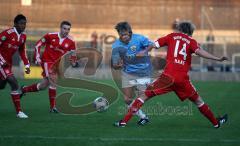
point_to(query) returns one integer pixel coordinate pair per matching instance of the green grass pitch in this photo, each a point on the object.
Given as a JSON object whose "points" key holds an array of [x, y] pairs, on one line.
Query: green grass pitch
{"points": [[185, 126]]}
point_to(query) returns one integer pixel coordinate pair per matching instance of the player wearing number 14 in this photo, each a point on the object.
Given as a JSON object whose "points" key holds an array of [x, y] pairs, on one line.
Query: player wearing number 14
{"points": [[175, 77]]}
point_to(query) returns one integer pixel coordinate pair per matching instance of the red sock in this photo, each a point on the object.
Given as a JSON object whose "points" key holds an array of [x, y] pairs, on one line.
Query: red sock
{"points": [[137, 104], [31, 88], [52, 95], [205, 110], [16, 101]]}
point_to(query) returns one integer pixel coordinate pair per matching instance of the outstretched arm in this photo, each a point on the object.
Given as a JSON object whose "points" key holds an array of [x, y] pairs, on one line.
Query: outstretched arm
{"points": [[205, 54]]}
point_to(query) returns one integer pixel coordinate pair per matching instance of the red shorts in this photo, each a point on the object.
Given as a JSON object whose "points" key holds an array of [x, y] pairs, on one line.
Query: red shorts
{"points": [[49, 69], [165, 83], [5, 72]]}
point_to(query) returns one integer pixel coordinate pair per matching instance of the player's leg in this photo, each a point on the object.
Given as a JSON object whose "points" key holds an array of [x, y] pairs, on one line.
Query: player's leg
{"points": [[128, 98], [156, 88], [186, 90], [206, 111], [52, 92], [36, 86], [3, 83], [128, 91], [15, 93]]}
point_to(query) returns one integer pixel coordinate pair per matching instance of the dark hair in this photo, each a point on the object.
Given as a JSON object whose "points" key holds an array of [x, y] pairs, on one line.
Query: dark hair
{"points": [[19, 17], [186, 27], [65, 23], [123, 26]]}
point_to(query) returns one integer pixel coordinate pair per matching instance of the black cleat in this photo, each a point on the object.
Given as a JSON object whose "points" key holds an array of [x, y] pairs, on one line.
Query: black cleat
{"points": [[143, 121], [22, 93], [119, 124], [221, 121], [54, 110]]}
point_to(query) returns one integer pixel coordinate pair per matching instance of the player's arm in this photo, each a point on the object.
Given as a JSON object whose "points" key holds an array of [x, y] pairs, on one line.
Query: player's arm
{"points": [[73, 56], [116, 61], [147, 46], [37, 52], [23, 55], [3, 37], [202, 53]]}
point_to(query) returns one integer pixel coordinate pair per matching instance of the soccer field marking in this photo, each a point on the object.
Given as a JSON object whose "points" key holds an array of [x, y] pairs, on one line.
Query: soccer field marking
{"points": [[122, 139]]}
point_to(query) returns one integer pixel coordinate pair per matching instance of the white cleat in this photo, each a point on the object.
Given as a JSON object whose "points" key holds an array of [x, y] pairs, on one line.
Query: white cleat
{"points": [[22, 115]]}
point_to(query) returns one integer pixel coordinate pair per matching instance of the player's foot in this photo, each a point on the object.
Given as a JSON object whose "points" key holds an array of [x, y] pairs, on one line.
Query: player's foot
{"points": [[221, 121], [21, 115], [143, 121], [119, 124], [54, 110], [22, 93]]}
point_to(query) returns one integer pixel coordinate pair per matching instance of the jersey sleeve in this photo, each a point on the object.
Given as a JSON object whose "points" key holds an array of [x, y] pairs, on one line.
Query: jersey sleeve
{"points": [[194, 46], [73, 56], [23, 54], [145, 42], [3, 37], [42, 42], [115, 58], [163, 41]]}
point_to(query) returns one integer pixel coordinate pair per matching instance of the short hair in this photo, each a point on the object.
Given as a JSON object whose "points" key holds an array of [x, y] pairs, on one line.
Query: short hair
{"points": [[186, 27], [123, 26], [65, 23], [19, 17]]}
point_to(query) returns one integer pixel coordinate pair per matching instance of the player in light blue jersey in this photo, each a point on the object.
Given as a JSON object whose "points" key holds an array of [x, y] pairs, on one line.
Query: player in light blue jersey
{"points": [[136, 68]]}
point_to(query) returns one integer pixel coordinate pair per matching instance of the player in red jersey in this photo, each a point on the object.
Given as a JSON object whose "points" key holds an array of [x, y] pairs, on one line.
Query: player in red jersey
{"points": [[56, 45], [175, 75], [12, 40]]}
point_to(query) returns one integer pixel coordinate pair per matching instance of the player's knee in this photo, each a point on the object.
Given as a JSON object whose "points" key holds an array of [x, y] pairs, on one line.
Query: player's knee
{"points": [[149, 93]]}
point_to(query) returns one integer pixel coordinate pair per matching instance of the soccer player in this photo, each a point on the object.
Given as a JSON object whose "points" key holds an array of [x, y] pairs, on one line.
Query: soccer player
{"points": [[175, 75], [12, 40], [56, 45], [124, 57]]}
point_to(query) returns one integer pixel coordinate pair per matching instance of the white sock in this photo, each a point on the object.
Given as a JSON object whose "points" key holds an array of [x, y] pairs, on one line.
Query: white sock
{"points": [[141, 114]]}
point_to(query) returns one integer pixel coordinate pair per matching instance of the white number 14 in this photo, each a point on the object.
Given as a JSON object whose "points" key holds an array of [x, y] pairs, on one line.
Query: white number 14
{"points": [[182, 51]]}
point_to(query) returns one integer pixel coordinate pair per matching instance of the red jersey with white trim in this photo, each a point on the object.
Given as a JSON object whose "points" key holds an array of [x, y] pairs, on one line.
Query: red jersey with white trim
{"points": [[55, 47], [179, 53], [10, 42]]}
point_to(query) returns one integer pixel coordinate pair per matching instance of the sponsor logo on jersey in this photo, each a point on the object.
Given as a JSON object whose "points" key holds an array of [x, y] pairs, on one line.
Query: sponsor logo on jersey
{"points": [[133, 48], [3, 38]]}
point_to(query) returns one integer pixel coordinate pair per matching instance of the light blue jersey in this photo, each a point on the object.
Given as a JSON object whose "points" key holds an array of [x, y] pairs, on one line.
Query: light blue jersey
{"points": [[140, 66]]}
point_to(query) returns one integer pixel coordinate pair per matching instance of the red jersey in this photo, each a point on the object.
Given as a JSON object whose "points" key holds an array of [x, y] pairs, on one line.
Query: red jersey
{"points": [[10, 42], [179, 53], [55, 47]]}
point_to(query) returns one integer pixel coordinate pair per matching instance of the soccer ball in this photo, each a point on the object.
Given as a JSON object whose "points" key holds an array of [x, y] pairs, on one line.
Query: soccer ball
{"points": [[101, 104]]}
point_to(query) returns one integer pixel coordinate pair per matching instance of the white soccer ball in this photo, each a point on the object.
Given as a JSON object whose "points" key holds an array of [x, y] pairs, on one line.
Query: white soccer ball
{"points": [[101, 104]]}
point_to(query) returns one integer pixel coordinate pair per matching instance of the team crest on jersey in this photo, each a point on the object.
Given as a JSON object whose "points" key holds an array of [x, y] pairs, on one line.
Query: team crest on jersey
{"points": [[53, 40], [22, 40], [3, 38], [133, 48], [66, 45], [43, 40], [9, 45], [13, 39]]}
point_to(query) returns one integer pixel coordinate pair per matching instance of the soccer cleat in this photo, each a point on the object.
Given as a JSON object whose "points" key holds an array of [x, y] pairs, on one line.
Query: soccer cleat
{"points": [[54, 110], [119, 124], [21, 115], [143, 121], [221, 121], [22, 93]]}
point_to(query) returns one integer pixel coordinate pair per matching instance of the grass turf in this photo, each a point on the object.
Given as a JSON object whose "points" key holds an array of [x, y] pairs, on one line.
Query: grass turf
{"points": [[172, 122]]}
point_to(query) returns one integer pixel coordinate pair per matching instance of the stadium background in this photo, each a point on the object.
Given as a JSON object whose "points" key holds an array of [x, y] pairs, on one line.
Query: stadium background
{"points": [[217, 83], [94, 20]]}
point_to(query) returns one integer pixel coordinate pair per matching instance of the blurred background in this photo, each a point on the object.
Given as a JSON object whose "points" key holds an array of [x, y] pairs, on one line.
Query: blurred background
{"points": [[93, 21]]}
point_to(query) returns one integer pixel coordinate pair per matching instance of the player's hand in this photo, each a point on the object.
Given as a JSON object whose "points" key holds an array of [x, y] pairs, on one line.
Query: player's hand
{"points": [[75, 64], [141, 54], [27, 70], [223, 58], [119, 65]]}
